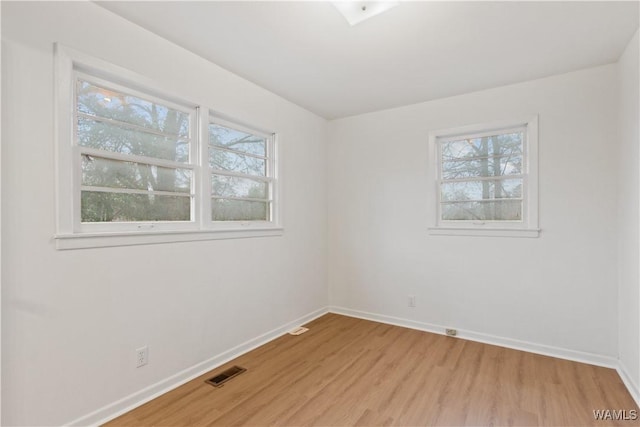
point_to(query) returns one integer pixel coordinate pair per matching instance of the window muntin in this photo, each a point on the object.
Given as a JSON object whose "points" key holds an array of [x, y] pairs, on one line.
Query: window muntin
{"points": [[242, 173], [135, 155]]}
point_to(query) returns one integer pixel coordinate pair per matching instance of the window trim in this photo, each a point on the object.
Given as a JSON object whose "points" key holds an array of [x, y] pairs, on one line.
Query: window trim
{"points": [[70, 232], [528, 227]]}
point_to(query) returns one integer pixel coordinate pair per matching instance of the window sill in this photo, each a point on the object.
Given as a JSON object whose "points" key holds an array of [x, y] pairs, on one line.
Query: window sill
{"points": [[103, 240], [485, 232]]}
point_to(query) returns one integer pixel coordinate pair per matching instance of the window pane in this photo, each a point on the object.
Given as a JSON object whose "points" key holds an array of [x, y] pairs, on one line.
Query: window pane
{"points": [[227, 160], [107, 103], [504, 210], [479, 190], [237, 140], [119, 207], [238, 210], [494, 155], [100, 172], [488, 166], [120, 139], [231, 186], [507, 144]]}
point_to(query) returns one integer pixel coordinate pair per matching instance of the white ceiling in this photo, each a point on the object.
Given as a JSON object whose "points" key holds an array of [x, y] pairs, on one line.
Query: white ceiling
{"points": [[306, 51]]}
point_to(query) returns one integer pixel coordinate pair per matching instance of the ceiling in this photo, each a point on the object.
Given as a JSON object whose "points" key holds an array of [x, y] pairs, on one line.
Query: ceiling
{"points": [[307, 53]]}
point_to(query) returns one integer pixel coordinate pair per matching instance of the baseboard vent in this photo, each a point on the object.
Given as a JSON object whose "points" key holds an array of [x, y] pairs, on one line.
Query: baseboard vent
{"points": [[224, 376], [298, 331]]}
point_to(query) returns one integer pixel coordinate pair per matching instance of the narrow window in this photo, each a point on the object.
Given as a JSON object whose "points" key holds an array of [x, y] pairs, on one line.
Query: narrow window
{"points": [[242, 173]]}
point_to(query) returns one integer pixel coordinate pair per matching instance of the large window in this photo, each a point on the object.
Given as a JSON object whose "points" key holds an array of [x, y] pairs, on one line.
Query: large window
{"points": [[135, 155], [137, 165], [486, 180]]}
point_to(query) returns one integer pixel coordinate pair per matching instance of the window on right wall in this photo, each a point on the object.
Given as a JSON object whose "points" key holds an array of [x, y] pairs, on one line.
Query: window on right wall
{"points": [[486, 181]]}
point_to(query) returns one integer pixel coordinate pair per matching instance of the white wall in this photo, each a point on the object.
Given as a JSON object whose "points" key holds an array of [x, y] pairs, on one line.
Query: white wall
{"points": [[71, 320], [628, 213], [557, 290]]}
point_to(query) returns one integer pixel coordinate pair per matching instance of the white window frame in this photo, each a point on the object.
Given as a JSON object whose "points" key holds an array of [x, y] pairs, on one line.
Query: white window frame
{"points": [[528, 226], [71, 233], [271, 176], [192, 164]]}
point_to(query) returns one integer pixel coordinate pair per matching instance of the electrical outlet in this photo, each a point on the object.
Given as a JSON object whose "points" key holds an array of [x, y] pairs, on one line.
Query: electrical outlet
{"points": [[142, 356], [451, 332], [411, 302]]}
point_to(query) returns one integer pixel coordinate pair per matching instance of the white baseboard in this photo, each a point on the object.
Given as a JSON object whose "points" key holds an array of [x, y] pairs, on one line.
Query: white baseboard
{"points": [[561, 353], [631, 385], [115, 409]]}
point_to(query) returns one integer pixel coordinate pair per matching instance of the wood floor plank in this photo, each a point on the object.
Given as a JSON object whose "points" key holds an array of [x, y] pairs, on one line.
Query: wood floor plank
{"points": [[352, 372]]}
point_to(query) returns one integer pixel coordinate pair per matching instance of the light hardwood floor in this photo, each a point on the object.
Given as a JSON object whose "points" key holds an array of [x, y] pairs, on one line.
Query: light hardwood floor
{"points": [[353, 372]]}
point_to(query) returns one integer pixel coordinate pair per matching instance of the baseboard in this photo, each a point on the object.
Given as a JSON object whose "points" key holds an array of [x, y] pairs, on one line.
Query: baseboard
{"points": [[631, 385], [115, 409], [561, 353]]}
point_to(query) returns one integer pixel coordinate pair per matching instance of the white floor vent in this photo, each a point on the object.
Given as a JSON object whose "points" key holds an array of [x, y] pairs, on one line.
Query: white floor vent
{"points": [[298, 331]]}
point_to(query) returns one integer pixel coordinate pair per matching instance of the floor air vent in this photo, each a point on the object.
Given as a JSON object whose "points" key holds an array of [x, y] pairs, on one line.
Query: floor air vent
{"points": [[223, 377]]}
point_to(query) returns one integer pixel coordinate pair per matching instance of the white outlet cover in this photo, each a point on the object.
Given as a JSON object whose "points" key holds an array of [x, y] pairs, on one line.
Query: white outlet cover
{"points": [[357, 11], [142, 356]]}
